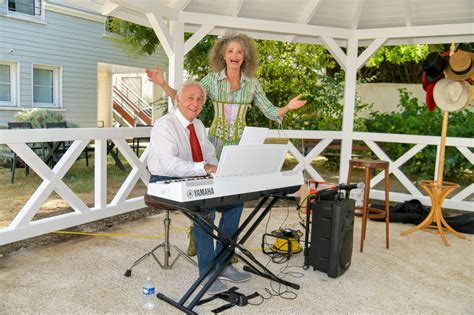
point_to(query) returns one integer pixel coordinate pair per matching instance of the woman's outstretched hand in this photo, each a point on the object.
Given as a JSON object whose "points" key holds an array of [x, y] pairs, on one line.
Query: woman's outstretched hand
{"points": [[156, 76], [296, 102]]}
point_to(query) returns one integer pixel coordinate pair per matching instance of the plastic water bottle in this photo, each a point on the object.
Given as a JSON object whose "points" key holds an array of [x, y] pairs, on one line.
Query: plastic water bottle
{"points": [[359, 195], [148, 294]]}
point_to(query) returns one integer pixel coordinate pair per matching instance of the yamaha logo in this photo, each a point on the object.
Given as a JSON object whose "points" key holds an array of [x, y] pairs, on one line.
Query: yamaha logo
{"points": [[201, 192]]}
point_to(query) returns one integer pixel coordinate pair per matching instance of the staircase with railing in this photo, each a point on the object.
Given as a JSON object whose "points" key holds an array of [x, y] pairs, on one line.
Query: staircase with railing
{"points": [[129, 108]]}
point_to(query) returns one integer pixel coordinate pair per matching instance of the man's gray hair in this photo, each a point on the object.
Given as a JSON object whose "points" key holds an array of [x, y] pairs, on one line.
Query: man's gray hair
{"points": [[188, 83]]}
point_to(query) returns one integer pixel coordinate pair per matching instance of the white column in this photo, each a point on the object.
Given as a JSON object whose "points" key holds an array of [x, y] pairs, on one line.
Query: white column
{"points": [[104, 97], [176, 61], [349, 103]]}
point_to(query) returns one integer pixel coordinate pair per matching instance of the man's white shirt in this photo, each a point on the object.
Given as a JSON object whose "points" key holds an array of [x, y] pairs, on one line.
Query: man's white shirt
{"points": [[170, 151]]}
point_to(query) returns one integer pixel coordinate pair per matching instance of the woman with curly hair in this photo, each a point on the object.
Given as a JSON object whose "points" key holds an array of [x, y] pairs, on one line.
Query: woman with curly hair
{"points": [[233, 88]]}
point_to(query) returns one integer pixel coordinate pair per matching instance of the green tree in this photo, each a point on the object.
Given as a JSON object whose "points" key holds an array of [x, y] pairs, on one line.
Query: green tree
{"points": [[414, 118], [286, 70], [134, 39], [401, 64], [395, 64]]}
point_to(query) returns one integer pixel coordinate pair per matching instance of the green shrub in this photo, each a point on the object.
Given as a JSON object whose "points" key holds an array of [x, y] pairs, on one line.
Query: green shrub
{"points": [[325, 106], [415, 119], [38, 117]]}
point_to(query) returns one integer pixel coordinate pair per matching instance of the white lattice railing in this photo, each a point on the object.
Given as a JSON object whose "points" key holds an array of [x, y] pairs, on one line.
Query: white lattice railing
{"points": [[23, 226], [457, 201]]}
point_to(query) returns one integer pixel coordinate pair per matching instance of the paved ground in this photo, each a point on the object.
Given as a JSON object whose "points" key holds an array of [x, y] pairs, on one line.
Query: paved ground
{"points": [[418, 274]]}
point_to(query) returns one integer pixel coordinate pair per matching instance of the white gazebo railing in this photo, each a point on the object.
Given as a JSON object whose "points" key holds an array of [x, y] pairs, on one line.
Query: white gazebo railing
{"points": [[23, 226], [458, 201]]}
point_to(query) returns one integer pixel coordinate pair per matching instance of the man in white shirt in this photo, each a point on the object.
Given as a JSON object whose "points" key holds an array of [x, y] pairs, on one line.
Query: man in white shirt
{"points": [[175, 152]]}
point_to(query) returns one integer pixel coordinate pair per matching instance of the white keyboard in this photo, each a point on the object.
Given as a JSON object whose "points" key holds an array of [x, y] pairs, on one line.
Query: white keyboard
{"points": [[208, 191]]}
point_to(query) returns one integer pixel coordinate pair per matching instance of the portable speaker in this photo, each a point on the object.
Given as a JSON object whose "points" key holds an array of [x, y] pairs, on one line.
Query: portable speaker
{"points": [[331, 236]]}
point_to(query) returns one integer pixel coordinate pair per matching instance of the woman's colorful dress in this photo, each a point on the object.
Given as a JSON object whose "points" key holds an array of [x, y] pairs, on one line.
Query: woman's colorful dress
{"points": [[230, 107]]}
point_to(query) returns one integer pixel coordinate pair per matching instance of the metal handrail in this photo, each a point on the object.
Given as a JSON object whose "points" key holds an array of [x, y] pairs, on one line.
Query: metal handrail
{"points": [[133, 96]]}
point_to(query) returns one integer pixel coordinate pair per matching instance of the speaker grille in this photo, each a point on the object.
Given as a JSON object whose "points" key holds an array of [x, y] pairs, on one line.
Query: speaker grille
{"points": [[331, 236]]}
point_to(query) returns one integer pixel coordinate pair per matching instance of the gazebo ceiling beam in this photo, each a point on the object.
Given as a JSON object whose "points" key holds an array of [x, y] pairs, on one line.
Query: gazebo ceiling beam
{"points": [[426, 40], [369, 51], [335, 51], [197, 36], [357, 14], [416, 31], [235, 10], [408, 12], [183, 5], [264, 25], [308, 14], [161, 30], [109, 8], [131, 16], [144, 7], [271, 30], [135, 11]]}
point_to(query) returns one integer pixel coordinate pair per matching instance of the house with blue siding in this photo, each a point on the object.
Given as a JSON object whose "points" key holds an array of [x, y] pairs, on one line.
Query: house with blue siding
{"points": [[60, 58]]}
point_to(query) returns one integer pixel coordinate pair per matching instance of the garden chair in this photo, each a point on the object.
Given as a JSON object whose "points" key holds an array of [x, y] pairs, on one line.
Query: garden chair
{"points": [[63, 146], [13, 157]]}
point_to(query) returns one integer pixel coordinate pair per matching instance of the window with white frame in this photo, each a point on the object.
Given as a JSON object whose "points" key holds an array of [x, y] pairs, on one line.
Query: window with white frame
{"points": [[46, 86], [29, 7], [8, 84]]}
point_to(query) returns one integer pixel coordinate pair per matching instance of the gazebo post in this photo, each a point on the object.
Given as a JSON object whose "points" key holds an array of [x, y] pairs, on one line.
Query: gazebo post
{"points": [[172, 42], [176, 64], [350, 62], [350, 81]]}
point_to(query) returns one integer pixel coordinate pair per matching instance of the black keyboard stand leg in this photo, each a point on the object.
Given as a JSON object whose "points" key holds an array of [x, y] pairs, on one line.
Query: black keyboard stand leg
{"points": [[223, 258], [212, 273], [266, 273]]}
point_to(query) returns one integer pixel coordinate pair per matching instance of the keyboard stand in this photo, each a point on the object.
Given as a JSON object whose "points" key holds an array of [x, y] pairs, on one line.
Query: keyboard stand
{"points": [[252, 264], [166, 245]]}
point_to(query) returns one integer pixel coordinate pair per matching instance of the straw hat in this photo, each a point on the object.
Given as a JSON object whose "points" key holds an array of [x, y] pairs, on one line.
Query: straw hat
{"points": [[451, 95], [460, 66]]}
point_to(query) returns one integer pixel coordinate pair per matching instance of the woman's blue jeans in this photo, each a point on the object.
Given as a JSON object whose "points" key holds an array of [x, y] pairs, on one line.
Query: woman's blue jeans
{"points": [[228, 225]]}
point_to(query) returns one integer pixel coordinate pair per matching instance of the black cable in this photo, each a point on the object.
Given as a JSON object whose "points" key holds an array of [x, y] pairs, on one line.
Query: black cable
{"points": [[283, 291], [286, 218]]}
